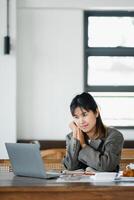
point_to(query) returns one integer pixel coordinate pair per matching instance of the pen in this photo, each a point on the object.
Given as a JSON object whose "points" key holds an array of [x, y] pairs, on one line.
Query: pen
{"points": [[89, 173], [78, 173]]}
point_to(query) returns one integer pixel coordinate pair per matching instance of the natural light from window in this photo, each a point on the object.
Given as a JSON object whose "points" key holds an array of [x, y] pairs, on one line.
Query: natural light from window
{"points": [[117, 109], [111, 31], [111, 69], [115, 71]]}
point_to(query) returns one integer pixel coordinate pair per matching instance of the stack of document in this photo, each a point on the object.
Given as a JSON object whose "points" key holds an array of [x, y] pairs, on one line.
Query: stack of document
{"points": [[75, 176], [89, 176], [81, 176], [78, 172]]}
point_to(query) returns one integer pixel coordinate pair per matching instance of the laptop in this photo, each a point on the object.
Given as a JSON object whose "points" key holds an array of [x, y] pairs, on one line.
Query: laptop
{"points": [[26, 160]]}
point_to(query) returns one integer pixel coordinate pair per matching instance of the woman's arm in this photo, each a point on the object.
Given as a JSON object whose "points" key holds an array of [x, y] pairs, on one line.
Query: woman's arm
{"points": [[108, 158], [74, 142], [73, 147]]}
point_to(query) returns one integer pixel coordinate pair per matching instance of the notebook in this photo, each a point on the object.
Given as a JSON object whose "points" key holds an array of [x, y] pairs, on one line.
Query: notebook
{"points": [[26, 161]]}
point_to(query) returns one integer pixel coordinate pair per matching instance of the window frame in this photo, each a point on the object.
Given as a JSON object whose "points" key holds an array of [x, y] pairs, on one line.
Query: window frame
{"points": [[104, 51]]}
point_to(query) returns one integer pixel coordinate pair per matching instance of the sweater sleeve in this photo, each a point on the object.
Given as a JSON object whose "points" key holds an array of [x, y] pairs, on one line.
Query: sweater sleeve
{"points": [[71, 161]]}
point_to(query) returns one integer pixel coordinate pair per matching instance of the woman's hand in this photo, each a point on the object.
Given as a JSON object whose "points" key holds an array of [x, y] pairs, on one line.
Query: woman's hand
{"points": [[80, 137], [74, 128], [77, 133]]}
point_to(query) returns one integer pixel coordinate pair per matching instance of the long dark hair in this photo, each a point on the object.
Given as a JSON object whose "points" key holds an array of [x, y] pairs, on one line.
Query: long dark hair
{"points": [[87, 102]]}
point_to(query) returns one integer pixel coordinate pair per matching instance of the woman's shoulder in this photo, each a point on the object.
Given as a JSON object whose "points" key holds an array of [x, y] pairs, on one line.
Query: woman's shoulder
{"points": [[113, 132], [69, 135]]}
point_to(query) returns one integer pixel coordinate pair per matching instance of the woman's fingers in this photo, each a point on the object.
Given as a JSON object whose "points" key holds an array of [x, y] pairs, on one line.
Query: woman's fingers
{"points": [[72, 126], [80, 137]]}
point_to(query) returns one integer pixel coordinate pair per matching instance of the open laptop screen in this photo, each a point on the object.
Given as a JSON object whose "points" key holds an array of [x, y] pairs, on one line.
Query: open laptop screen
{"points": [[26, 160]]}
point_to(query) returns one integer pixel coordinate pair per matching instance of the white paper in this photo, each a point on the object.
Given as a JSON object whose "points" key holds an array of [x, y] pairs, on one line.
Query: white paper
{"points": [[74, 178], [104, 176]]}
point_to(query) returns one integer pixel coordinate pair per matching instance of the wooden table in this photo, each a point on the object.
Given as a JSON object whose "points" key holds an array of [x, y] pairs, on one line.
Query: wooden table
{"points": [[23, 188]]}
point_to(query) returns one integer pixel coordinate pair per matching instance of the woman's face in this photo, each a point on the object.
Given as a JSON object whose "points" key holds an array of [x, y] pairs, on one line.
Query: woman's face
{"points": [[85, 120]]}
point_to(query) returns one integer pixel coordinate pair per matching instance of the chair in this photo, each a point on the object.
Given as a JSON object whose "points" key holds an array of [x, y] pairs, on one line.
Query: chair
{"points": [[53, 158], [5, 166], [127, 157]]}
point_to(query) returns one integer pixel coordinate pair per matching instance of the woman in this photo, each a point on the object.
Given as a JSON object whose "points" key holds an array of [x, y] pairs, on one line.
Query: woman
{"points": [[91, 144]]}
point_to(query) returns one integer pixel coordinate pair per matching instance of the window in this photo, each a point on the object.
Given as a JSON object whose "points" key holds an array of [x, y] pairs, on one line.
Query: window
{"points": [[109, 64]]}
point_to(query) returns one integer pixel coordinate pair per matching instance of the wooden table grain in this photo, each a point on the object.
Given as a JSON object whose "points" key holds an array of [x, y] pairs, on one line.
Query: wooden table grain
{"points": [[24, 188]]}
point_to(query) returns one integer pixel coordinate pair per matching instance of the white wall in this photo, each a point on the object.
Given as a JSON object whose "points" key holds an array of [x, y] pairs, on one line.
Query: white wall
{"points": [[77, 4], [7, 80], [50, 70], [50, 63]]}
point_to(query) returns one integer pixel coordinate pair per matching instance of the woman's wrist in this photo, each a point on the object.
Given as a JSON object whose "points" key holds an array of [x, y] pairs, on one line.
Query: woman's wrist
{"points": [[83, 145], [74, 133]]}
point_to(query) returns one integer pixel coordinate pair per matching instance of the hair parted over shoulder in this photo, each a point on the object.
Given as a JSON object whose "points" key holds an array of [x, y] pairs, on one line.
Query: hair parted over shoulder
{"points": [[87, 102]]}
